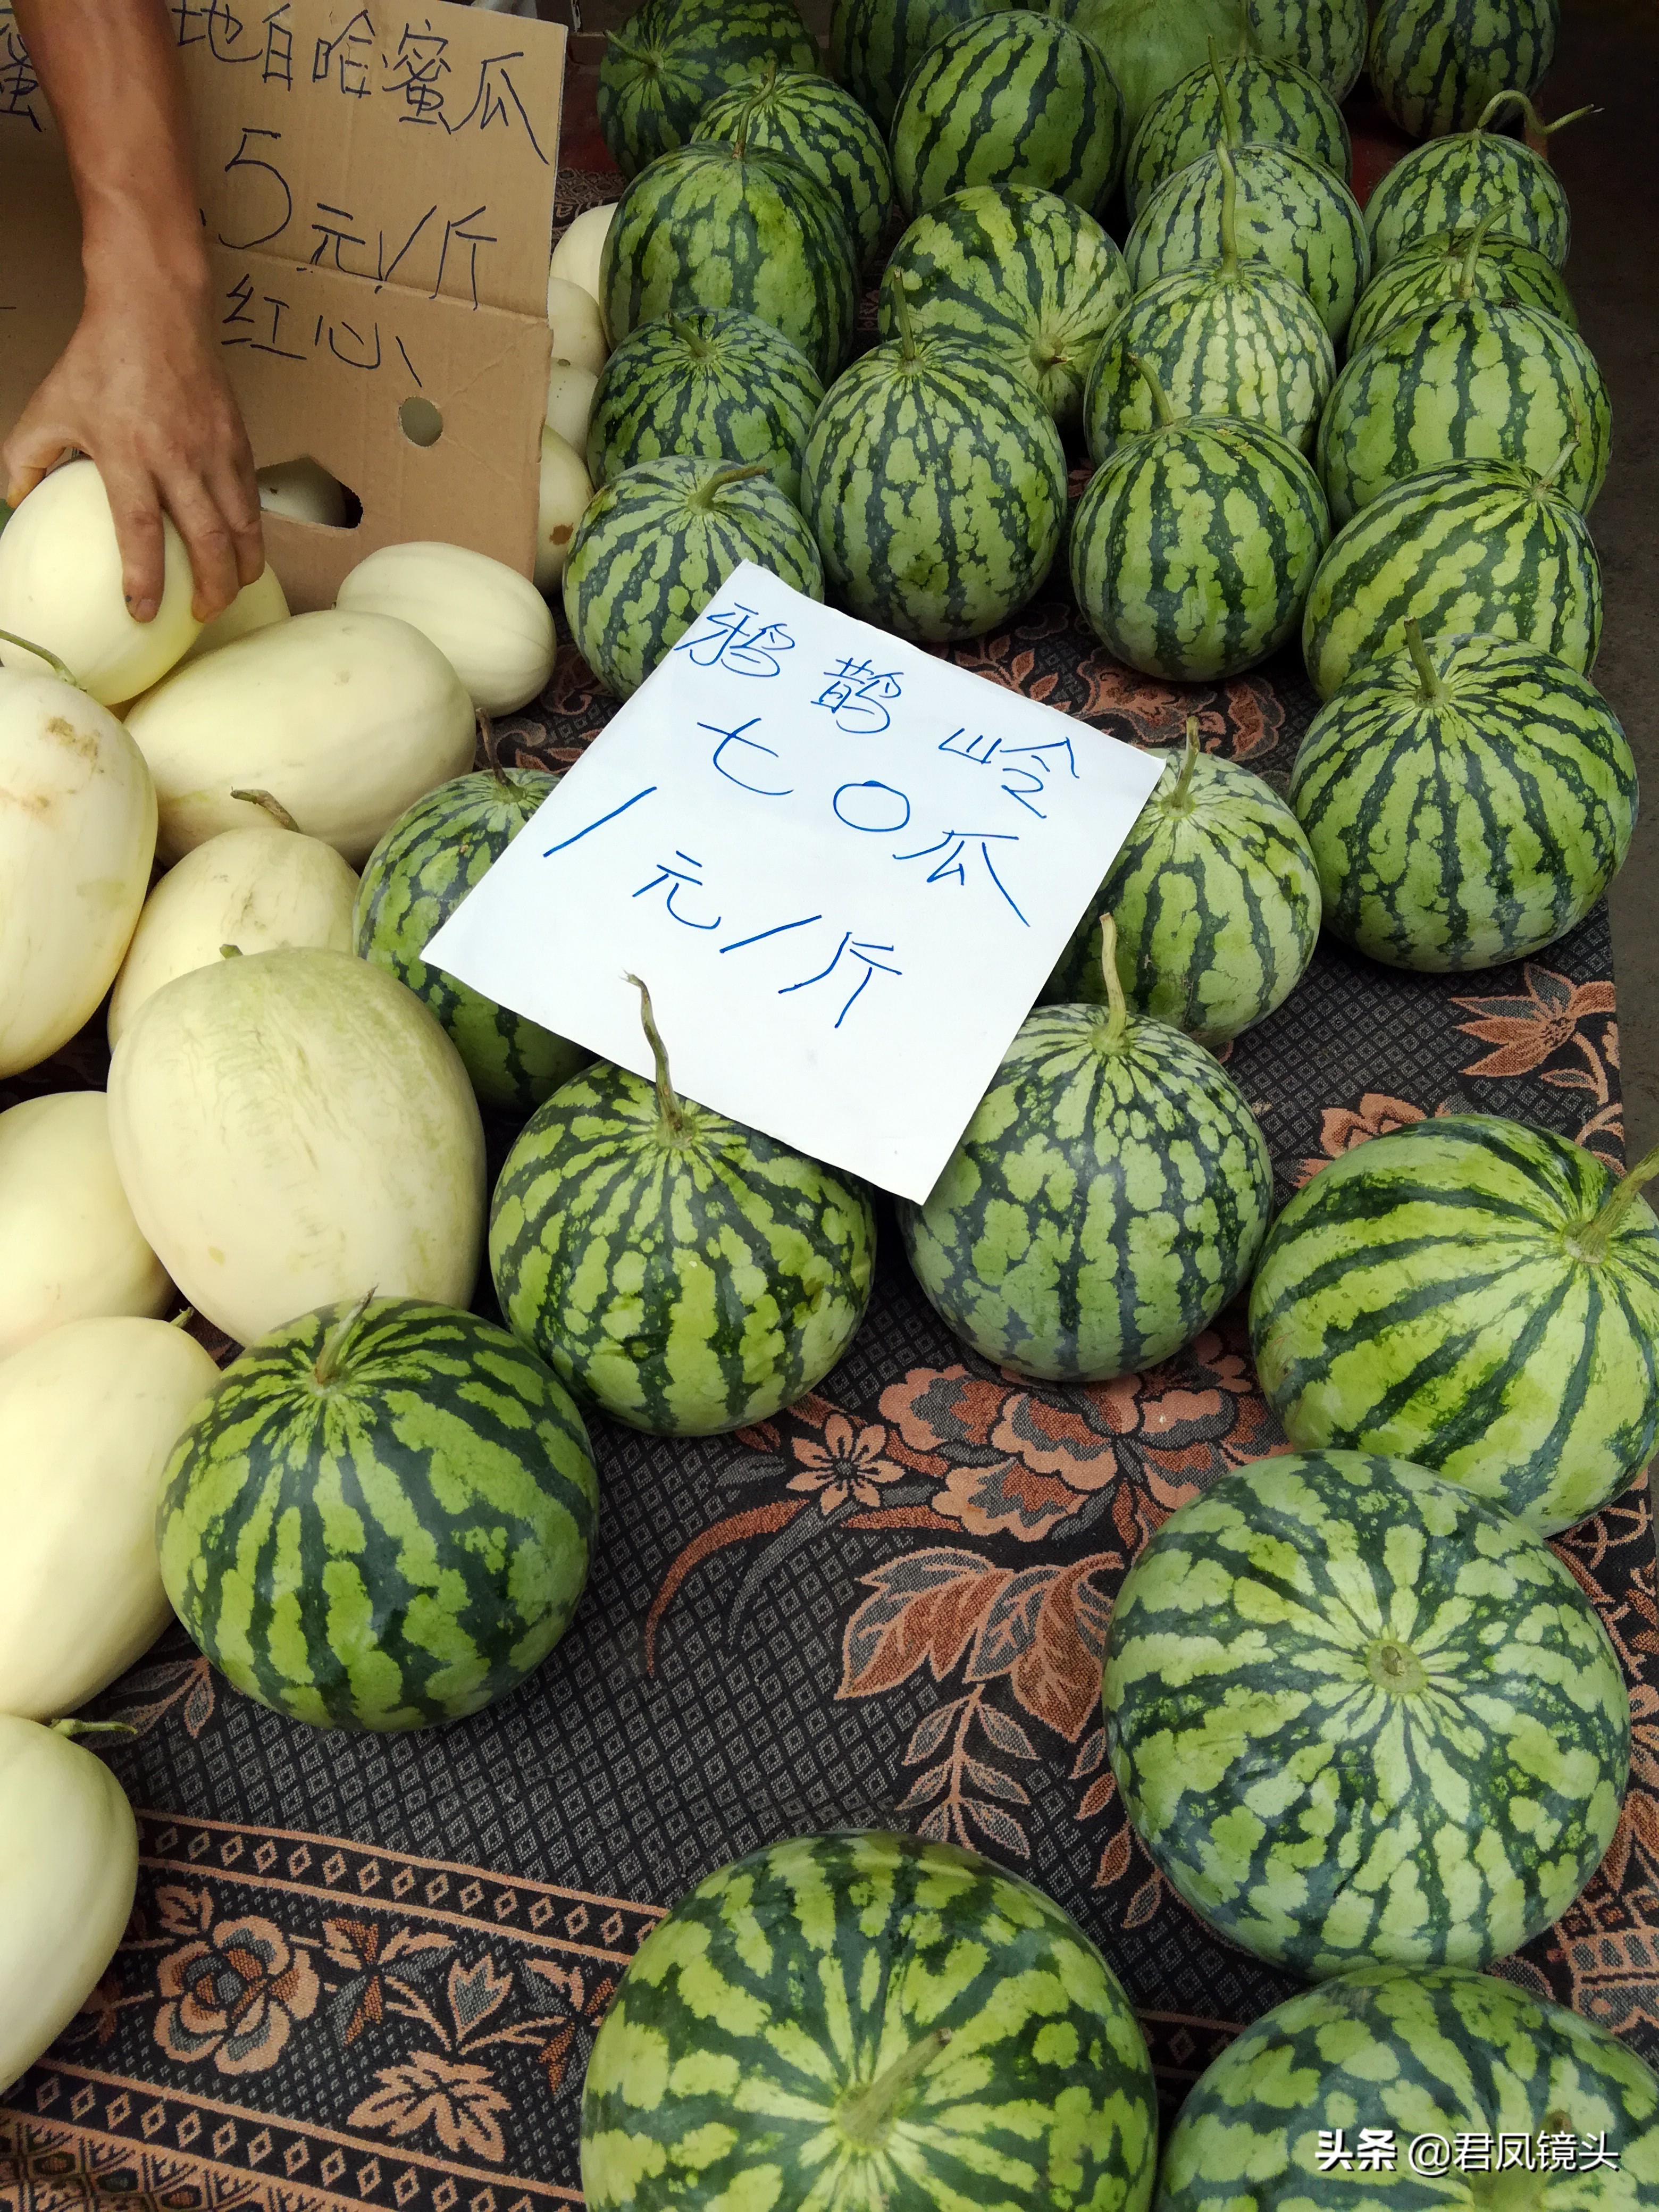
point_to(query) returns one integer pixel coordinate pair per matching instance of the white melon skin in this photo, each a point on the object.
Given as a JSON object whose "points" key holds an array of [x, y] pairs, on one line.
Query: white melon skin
{"points": [[69, 1249], [577, 255], [256, 606], [292, 1128], [490, 623], [566, 489], [572, 316], [570, 402]]}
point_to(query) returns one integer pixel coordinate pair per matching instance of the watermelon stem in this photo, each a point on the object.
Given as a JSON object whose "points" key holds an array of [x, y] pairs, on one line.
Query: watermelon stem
{"points": [[1229, 111], [1166, 414], [1228, 209], [1593, 1244], [1433, 687], [907, 329], [1179, 800], [1117, 1007], [274, 807], [328, 1359], [1477, 240], [868, 2113], [727, 473], [60, 669], [668, 1102], [1547, 481], [1536, 126]]}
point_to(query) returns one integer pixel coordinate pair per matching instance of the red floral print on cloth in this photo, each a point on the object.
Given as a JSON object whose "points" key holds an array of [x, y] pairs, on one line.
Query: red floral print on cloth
{"points": [[1555, 1017], [460, 2100], [233, 1997], [1342, 1127]]}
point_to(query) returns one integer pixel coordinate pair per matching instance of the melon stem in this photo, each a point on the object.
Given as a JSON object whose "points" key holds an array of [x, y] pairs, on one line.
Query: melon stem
{"points": [[183, 1318], [328, 1359], [71, 1729], [274, 807], [1547, 481], [901, 316], [1117, 1006], [668, 1102], [1180, 800], [727, 473], [1228, 209], [1229, 111], [1477, 240], [1593, 1244], [867, 2115], [486, 730], [230, 951], [1432, 686], [1166, 414], [1536, 127], [60, 669]]}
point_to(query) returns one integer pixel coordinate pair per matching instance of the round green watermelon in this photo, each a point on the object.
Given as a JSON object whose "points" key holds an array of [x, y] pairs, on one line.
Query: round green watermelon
{"points": [[1016, 98], [875, 44], [656, 543], [732, 226], [672, 56], [1106, 1200], [1247, 100], [417, 875], [1149, 45], [685, 1273], [1480, 1296], [1357, 1715], [1327, 37], [1462, 2064], [1029, 274], [1467, 801], [382, 1518], [935, 480], [1499, 271], [1457, 182], [1214, 899], [1436, 64], [867, 2021], [721, 386], [824, 128]]}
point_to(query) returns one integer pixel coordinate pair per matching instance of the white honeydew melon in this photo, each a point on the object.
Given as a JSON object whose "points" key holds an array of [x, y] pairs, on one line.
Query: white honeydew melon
{"points": [[490, 623], [256, 606], [69, 1867], [577, 255], [304, 491], [566, 489], [70, 1247], [293, 1128], [570, 402], [88, 1418], [262, 890], [77, 836], [347, 718], [61, 588], [572, 316]]}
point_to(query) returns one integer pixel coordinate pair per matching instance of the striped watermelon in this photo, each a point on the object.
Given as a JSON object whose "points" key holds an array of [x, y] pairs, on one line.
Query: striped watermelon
{"points": [[1437, 63], [1459, 2057], [1468, 802], [1223, 337], [655, 545], [1245, 100], [1214, 902], [1106, 1200], [382, 1519], [1193, 545], [1356, 1714], [822, 126], [864, 2020], [1467, 382], [1327, 37], [415, 877], [875, 44], [1452, 183], [1025, 272], [672, 58], [1477, 546], [1292, 214], [1480, 1297], [685, 1273], [719, 386], [1013, 99], [935, 480], [1499, 271], [727, 227], [1149, 45]]}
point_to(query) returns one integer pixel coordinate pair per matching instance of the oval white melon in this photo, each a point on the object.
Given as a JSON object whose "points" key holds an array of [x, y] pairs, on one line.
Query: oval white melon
{"points": [[294, 1127], [77, 836], [570, 402], [70, 1247], [256, 606], [577, 255], [304, 491], [88, 1418], [69, 1867], [572, 316], [565, 491], [61, 588], [490, 623], [259, 889], [346, 718]]}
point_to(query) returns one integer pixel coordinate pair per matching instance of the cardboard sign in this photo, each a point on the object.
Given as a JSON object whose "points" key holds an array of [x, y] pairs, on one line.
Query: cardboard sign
{"points": [[844, 868], [377, 188]]}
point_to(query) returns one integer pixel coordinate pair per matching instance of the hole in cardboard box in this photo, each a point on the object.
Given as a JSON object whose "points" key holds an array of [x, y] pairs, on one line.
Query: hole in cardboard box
{"points": [[420, 421], [304, 491]]}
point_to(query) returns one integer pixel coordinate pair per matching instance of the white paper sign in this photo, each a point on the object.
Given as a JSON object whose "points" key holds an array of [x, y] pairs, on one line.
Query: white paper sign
{"points": [[844, 868]]}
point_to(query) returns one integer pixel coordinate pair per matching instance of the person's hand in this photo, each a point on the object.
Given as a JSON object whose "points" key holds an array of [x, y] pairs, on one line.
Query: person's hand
{"points": [[140, 388]]}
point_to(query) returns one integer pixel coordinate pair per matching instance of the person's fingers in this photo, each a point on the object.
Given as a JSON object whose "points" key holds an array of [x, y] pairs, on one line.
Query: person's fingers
{"points": [[236, 494], [208, 541], [36, 446], [135, 509]]}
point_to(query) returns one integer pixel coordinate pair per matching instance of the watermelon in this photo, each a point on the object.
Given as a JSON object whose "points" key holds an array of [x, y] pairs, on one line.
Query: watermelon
{"points": [[1013, 99], [1436, 64], [1499, 271], [1106, 1200], [383, 1517], [1467, 382], [1357, 1713], [1454, 183], [718, 386], [685, 1273], [875, 44], [1025, 272], [414, 878], [859, 2021], [1214, 900], [935, 480], [1327, 37], [1477, 546], [1193, 545], [1149, 45], [1222, 338], [1247, 100], [822, 126], [655, 545], [1292, 214], [1459, 2058], [1480, 1296], [733, 227], [672, 58], [1468, 802]]}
